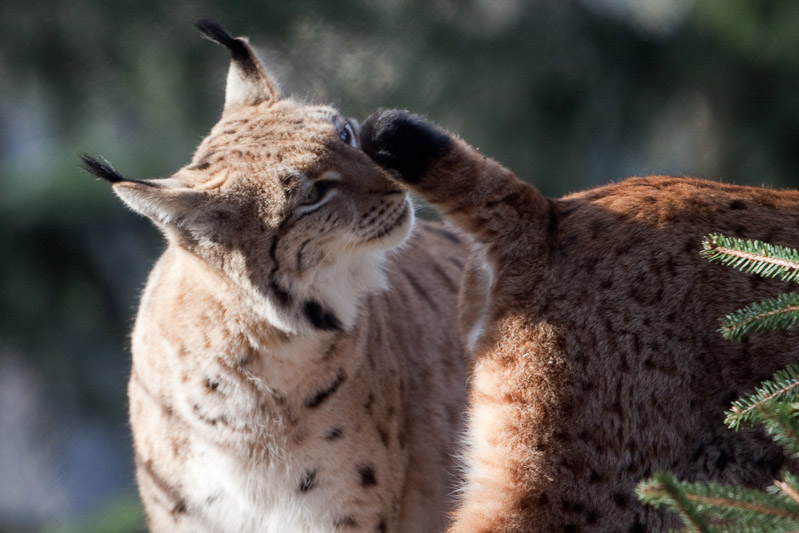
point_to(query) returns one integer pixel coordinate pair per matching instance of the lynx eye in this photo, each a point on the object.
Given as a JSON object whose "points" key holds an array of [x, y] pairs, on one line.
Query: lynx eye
{"points": [[318, 191], [347, 134]]}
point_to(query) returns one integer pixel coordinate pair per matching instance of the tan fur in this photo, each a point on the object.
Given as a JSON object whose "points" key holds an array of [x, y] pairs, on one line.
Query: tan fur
{"points": [[594, 322], [277, 384]]}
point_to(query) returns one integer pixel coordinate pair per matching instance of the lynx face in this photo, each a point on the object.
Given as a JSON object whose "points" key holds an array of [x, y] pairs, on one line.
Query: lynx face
{"points": [[281, 199]]}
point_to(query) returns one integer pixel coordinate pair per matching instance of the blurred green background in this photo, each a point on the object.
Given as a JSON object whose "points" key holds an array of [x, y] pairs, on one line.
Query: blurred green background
{"points": [[568, 93]]}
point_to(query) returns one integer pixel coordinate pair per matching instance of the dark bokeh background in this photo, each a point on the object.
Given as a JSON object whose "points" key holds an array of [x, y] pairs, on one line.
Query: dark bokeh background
{"points": [[569, 93]]}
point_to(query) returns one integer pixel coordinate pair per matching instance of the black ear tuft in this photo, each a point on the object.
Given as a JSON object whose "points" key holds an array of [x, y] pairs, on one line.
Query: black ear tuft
{"points": [[101, 169], [238, 48], [213, 31]]}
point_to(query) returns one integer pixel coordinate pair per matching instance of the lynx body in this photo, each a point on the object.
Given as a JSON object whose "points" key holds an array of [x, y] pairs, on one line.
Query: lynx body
{"points": [[291, 371], [593, 322]]}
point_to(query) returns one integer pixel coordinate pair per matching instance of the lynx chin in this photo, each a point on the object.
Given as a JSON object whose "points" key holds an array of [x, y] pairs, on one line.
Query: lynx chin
{"points": [[593, 323], [296, 360]]}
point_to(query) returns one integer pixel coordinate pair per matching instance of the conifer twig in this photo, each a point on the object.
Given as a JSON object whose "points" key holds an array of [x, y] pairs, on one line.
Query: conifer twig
{"points": [[787, 490], [737, 504], [663, 488], [781, 312], [784, 382], [753, 257]]}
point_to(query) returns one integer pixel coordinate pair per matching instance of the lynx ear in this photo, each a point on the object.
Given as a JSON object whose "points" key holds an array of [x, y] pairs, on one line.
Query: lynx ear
{"points": [[167, 202], [247, 80]]}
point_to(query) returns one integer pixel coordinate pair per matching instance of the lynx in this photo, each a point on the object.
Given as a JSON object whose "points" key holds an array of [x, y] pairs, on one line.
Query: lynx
{"points": [[291, 371], [593, 323]]}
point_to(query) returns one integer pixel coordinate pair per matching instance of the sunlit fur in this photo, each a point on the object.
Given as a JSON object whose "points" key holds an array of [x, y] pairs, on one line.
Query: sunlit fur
{"points": [[593, 323], [294, 368]]}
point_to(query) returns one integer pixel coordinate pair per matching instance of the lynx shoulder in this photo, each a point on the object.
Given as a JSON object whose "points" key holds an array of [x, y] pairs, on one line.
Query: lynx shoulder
{"points": [[593, 322], [296, 362]]}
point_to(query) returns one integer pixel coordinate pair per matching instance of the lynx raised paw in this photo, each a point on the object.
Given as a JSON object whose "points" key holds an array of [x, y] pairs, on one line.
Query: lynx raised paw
{"points": [[403, 143]]}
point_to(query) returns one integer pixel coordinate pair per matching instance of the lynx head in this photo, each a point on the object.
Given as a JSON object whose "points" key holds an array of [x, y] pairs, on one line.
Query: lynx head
{"points": [[279, 199]]}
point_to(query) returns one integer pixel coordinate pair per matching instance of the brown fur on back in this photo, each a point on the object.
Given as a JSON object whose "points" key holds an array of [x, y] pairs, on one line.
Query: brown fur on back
{"points": [[593, 320], [296, 361]]}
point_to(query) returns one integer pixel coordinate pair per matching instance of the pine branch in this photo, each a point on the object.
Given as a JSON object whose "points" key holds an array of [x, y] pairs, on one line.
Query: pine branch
{"points": [[781, 312], [781, 423], [705, 507], [787, 489], [664, 489], [753, 257], [788, 485], [783, 387]]}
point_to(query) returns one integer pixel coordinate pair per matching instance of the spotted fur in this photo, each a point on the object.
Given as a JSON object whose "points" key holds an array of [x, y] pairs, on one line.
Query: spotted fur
{"points": [[294, 367], [593, 322]]}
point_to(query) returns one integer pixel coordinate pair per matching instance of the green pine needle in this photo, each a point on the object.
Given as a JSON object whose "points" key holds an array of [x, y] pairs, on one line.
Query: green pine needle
{"points": [[664, 489], [782, 388], [753, 257], [781, 312], [716, 507], [788, 485], [783, 426]]}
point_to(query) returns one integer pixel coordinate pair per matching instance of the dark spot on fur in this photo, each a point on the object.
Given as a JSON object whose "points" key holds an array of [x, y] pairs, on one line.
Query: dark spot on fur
{"points": [[205, 418], [211, 385], [307, 482], [345, 522], [621, 499], [279, 398], [442, 232], [299, 436], [179, 508], [319, 317], [699, 452], [317, 399], [721, 461], [598, 229], [328, 352], [170, 491], [738, 204], [543, 499], [333, 434], [381, 526], [383, 436], [457, 263], [638, 526], [282, 295], [569, 506], [419, 288], [370, 400], [367, 476]]}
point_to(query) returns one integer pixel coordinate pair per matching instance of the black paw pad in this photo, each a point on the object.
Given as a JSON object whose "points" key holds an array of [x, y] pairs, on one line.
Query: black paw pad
{"points": [[403, 143]]}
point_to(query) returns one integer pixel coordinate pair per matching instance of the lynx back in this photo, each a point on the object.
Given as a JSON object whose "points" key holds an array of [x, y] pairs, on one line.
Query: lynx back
{"points": [[593, 323]]}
